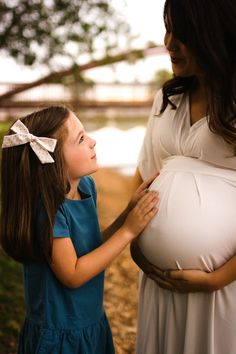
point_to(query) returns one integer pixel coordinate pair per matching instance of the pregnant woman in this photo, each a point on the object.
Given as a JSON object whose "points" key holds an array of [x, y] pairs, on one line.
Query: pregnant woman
{"points": [[189, 248]]}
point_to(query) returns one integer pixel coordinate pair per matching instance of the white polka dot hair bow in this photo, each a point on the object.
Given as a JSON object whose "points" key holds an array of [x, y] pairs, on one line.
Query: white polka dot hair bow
{"points": [[41, 146]]}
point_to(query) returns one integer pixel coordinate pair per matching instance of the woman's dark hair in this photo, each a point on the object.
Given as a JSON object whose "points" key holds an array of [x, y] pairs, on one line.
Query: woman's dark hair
{"points": [[27, 184], [208, 29]]}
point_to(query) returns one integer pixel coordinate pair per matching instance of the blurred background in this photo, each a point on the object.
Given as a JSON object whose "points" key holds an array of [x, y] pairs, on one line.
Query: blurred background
{"points": [[105, 60]]}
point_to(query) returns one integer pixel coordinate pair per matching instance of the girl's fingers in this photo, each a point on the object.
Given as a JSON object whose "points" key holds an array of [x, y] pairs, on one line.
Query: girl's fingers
{"points": [[150, 214], [148, 195], [147, 183], [149, 202], [151, 179]]}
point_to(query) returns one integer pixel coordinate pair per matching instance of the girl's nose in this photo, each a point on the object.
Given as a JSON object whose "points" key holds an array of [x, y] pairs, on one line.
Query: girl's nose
{"points": [[92, 142]]}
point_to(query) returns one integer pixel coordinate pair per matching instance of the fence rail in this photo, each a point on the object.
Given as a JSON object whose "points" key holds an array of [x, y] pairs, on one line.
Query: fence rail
{"points": [[108, 99]]}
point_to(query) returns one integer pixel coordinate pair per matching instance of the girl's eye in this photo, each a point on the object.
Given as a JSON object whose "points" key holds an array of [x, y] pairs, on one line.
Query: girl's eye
{"points": [[81, 139]]}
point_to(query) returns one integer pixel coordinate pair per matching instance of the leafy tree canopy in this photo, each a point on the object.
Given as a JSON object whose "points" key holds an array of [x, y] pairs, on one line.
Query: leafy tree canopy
{"points": [[45, 31]]}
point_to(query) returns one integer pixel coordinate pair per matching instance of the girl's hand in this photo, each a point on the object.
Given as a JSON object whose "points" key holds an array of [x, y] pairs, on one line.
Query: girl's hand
{"points": [[141, 214], [142, 189]]}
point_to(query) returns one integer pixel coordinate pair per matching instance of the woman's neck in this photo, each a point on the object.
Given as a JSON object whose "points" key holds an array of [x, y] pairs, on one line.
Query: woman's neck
{"points": [[198, 102]]}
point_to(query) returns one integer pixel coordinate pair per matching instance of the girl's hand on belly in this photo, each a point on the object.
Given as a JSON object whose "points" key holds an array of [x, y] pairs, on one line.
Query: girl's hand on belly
{"points": [[142, 189]]}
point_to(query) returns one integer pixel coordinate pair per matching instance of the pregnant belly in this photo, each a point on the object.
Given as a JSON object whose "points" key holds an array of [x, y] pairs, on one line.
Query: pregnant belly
{"points": [[195, 227]]}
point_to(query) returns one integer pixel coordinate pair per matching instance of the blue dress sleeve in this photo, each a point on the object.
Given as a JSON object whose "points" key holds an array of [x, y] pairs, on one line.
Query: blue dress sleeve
{"points": [[61, 227]]}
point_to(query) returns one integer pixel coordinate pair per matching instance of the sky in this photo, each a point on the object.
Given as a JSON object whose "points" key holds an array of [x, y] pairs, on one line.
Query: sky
{"points": [[146, 21]]}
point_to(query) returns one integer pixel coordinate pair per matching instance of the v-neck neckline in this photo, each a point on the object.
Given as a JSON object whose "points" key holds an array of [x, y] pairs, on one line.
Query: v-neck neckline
{"points": [[192, 125]]}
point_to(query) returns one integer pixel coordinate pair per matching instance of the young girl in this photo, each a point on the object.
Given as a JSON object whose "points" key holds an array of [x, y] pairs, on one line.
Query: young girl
{"points": [[49, 223]]}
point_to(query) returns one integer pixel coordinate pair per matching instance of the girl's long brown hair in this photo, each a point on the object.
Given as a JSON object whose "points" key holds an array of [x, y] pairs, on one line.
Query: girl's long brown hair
{"points": [[208, 29], [27, 184]]}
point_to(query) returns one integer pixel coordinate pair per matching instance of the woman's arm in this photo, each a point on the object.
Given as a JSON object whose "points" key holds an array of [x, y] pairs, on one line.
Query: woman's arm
{"points": [[151, 271], [185, 281]]}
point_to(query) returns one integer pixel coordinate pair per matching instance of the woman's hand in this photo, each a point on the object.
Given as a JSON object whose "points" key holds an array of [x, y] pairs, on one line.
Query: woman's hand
{"points": [[185, 281], [142, 189], [197, 280], [182, 281]]}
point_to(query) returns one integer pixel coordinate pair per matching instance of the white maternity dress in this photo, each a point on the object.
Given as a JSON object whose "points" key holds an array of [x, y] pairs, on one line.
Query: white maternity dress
{"points": [[195, 228]]}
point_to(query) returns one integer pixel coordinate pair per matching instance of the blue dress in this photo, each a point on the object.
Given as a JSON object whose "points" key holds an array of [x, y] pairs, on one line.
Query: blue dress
{"points": [[61, 320]]}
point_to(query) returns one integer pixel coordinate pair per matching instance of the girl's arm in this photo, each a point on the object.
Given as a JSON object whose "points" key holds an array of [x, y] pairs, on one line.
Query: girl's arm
{"points": [[74, 272], [139, 192]]}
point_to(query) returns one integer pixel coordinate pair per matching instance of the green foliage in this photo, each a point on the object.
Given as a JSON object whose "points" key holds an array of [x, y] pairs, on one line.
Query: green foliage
{"points": [[11, 293], [161, 76], [11, 303], [44, 31]]}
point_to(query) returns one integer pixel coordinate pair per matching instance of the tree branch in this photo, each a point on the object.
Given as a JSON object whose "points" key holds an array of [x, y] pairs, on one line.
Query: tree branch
{"points": [[134, 54]]}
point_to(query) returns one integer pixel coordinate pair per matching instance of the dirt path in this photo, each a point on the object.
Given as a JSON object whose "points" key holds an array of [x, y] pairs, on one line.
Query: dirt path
{"points": [[122, 276]]}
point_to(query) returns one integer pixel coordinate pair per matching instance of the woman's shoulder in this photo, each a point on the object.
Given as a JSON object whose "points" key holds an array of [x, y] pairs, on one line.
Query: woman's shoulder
{"points": [[158, 99]]}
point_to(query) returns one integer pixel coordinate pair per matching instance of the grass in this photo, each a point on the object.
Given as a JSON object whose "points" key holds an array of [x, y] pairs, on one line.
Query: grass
{"points": [[11, 294], [11, 303]]}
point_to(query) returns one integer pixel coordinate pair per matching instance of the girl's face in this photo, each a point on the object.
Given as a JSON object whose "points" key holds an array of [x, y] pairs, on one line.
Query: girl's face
{"points": [[78, 148], [183, 62]]}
